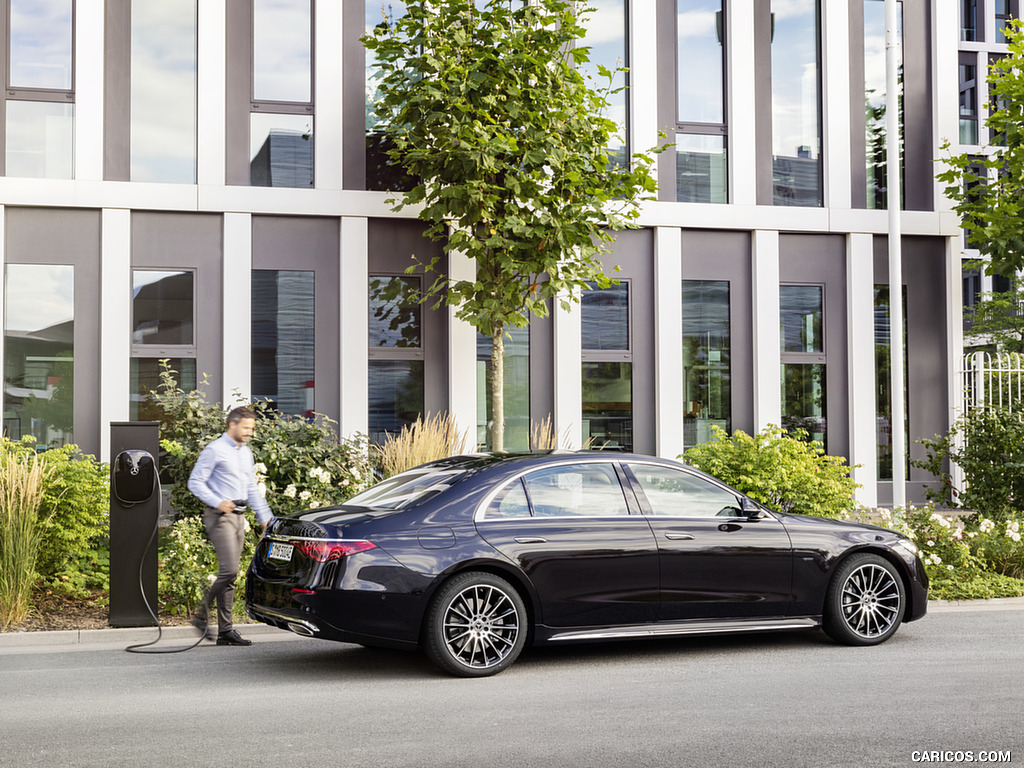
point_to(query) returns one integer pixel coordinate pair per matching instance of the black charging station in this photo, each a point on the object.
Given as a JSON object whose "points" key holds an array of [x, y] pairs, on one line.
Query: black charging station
{"points": [[134, 513]]}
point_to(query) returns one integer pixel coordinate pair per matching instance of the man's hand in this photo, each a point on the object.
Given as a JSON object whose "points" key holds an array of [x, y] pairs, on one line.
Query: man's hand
{"points": [[226, 507]]}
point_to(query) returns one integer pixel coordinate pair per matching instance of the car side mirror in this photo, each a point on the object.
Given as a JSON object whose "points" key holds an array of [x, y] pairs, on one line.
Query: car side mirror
{"points": [[751, 510]]}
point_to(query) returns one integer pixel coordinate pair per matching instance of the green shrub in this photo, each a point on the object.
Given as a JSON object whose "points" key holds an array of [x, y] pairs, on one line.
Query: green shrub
{"points": [[21, 493], [300, 463], [73, 514], [188, 565], [782, 471], [988, 445]]}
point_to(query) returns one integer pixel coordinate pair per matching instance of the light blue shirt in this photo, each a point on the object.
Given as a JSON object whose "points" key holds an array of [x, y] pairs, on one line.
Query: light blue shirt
{"points": [[226, 471]]}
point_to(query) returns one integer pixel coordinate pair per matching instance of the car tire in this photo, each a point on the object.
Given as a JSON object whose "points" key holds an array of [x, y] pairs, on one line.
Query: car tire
{"points": [[865, 602], [476, 625]]}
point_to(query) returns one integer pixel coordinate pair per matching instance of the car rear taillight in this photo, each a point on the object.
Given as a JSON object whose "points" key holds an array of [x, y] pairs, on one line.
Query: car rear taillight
{"points": [[325, 551]]}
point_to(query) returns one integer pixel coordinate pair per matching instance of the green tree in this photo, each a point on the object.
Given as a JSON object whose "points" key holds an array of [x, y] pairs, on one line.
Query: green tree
{"points": [[999, 319], [988, 189], [486, 109]]}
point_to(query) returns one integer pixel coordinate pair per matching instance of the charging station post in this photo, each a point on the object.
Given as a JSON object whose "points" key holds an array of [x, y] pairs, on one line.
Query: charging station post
{"points": [[134, 513]]}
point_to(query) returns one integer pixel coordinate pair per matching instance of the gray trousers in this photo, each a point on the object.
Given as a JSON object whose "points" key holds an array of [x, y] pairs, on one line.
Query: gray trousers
{"points": [[227, 534]]}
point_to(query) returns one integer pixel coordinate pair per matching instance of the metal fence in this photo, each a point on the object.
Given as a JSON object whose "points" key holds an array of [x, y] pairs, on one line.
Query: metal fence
{"points": [[993, 380]]}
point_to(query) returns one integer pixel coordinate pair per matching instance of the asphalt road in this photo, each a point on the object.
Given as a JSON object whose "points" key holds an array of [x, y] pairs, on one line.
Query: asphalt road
{"points": [[951, 682]]}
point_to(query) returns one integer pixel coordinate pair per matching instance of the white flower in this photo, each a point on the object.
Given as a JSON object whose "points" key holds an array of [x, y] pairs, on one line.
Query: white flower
{"points": [[931, 543], [290, 491], [304, 496], [314, 504], [321, 474], [986, 525], [949, 567], [356, 475], [1015, 536], [260, 469], [344, 482]]}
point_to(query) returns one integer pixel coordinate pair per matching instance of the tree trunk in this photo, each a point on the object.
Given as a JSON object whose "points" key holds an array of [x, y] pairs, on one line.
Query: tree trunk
{"points": [[498, 388]]}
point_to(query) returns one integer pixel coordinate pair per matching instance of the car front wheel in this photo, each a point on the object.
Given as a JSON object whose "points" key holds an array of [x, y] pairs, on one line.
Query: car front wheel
{"points": [[476, 625], [866, 601]]}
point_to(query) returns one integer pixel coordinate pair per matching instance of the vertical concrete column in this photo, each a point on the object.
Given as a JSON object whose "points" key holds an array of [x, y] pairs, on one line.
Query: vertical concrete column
{"points": [[643, 75], [462, 392], [668, 347], [946, 90], [353, 292], [115, 320], [766, 334], [741, 95], [835, 34], [860, 322], [954, 339], [212, 93], [88, 146], [567, 419], [237, 308], [328, 78]]}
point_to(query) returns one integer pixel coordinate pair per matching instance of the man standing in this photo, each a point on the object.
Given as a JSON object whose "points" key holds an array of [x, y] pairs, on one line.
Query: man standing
{"points": [[224, 478]]}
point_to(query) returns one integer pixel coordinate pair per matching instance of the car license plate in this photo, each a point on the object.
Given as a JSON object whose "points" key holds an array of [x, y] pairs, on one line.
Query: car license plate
{"points": [[279, 551]]}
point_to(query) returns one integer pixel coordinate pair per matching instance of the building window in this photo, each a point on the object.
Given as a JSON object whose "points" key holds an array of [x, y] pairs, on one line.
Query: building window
{"points": [[283, 340], [40, 90], [516, 390], [968, 100], [281, 121], [39, 352], [796, 104], [163, 327], [396, 354], [969, 20], [606, 36], [883, 368], [707, 378], [874, 97], [803, 360], [607, 367], [163, 91], [1004, 11], [701, 129]]}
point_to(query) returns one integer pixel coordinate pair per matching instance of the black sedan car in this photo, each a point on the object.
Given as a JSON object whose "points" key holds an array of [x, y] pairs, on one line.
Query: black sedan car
{"points": [[475, 557]]}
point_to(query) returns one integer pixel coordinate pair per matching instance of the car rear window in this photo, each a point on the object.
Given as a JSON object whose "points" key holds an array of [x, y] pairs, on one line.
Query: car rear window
{"points": [[407, 489]]}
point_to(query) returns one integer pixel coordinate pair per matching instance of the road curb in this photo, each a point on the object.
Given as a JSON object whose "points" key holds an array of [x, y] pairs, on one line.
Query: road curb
{"points": [[115, 636], [129, 635]]}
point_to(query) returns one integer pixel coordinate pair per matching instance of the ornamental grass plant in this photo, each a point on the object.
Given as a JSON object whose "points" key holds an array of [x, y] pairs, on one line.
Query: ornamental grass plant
{"points": [[21, 532], [437, 437]]}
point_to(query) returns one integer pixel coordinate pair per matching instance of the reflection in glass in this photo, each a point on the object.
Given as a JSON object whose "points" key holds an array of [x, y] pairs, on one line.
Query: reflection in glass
{"points": [[282, 50], [163, 307], [281, 150], [163, 91], [576, 490], [40, 44], [968, 104], [608, 405], [396, 396], [707, 378], [969, 20], [701, 169], [796, 104], [40, 139], [674, 493], [605, 317], [803, 400], [1003, 15], [283, 348], [39, 352], [699, 30], [883, 380], [144, 379], [395, 312], [517, 390], [606, 37], [874, 97], [801, 308]]}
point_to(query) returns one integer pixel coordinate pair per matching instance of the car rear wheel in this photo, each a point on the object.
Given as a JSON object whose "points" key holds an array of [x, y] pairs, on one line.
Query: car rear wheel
{"points": [[866, 601], [476, 625]]}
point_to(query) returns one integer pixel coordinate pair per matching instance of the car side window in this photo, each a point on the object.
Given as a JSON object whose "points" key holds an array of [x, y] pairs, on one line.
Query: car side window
{"points": [[509, 503], [576, 490], [677, 493]]}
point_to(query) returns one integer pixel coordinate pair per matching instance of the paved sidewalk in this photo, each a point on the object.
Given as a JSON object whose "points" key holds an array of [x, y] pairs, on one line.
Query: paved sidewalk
{"points": [[182, 635]]}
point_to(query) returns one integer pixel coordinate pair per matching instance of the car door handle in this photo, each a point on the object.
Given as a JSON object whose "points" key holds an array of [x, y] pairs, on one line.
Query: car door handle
{"points": [[679, 536], [531, 540]]}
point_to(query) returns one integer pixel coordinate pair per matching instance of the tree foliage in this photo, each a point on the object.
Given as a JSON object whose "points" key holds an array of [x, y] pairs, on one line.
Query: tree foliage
{"points": [[487, 110], [988, 189]]}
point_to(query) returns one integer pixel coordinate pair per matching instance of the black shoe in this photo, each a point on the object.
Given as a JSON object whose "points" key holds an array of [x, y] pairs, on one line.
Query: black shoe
{"points": [[202, 626], [232, 638]]}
